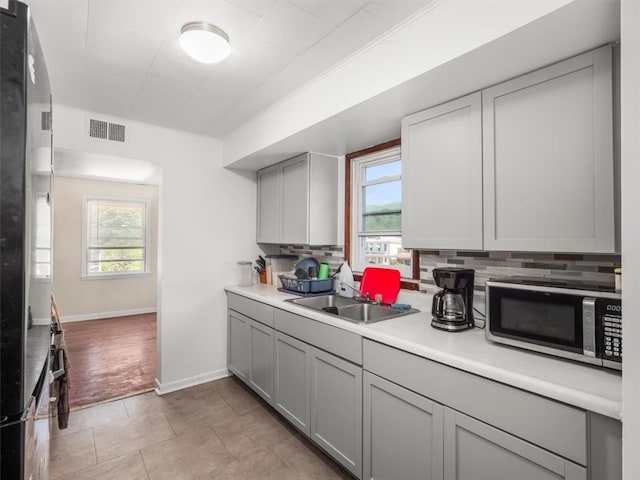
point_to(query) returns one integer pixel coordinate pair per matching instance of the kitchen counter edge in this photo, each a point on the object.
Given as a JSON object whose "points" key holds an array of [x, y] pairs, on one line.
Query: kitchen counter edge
{"points": [[593, 389]]}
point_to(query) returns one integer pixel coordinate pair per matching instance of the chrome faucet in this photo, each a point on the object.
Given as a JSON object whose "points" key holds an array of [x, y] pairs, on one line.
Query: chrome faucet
{"points": [[360, 295]]}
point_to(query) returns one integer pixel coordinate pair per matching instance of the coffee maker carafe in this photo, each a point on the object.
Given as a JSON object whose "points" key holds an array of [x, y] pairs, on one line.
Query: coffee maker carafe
{"points": [[452, 308]]}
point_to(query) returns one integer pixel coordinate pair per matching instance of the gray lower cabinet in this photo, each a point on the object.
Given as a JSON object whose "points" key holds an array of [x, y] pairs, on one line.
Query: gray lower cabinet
{"points": [[490, 430], [474, 450], [250, 353], [336, 409], [402, 432], [238, 352], [292, 380], [261, 360]]}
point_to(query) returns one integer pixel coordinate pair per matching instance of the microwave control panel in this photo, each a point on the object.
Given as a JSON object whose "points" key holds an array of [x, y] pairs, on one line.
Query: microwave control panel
{"points": [[611, 318]]}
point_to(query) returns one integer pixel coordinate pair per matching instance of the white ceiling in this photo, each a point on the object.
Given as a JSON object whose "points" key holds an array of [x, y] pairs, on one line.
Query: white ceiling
{"points": [[121, 57]]}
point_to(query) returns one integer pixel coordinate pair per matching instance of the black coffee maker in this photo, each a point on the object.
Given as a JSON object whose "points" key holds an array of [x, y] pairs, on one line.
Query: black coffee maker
{"points": [[452, 308]]}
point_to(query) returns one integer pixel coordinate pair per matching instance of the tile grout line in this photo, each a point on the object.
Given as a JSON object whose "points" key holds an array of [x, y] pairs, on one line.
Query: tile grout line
{"points": [[95, 447], [144, 463]]}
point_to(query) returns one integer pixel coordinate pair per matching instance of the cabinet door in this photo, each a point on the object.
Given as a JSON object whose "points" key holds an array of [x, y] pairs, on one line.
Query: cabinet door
{"points": [[292, 389], [269, 206], [403, 433], [548, 159], [261, 362], [295, 200], [336, 409], [476, 451], [238, 348], [442, 176], [323, 199]]}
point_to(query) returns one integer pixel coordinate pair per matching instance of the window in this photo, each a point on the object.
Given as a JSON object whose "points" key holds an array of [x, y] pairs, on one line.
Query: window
{"points": [[376, 212], [116, 239], [42, 237]]}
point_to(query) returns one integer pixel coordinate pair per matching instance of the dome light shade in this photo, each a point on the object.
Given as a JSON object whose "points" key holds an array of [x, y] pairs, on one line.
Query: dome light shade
{"points": [[204, 42]]}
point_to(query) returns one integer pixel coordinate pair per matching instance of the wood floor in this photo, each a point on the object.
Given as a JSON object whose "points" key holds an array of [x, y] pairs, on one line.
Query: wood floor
{"points": [[111, 358]]}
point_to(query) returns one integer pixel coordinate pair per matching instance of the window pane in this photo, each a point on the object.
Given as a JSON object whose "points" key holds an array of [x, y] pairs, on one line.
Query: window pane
{"points": [[376, 172], [386, 222], [43, 255], [382, 197], [386, 250], [116, 237], [43, 270], [377, 213], [382, 205], [111, 254], [124, 266]]}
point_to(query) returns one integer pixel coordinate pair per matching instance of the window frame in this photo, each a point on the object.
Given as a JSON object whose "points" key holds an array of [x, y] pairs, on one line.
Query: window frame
{"points": [[408, 283], [85, 274], [41, 197]]}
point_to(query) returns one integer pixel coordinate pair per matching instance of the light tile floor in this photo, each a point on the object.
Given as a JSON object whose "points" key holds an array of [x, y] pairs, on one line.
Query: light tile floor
{"points": [[218, 430]]}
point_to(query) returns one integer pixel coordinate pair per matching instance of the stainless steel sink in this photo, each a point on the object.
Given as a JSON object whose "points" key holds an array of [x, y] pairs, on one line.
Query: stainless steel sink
{"points": [[357, 311], [324, 301]]}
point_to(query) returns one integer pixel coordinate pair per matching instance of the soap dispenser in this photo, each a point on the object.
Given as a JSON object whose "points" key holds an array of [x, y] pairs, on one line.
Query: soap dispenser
{"points": [[345, 280]]}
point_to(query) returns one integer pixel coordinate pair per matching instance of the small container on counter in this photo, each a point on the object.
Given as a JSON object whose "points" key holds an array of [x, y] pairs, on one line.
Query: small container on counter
{"points": [[267, 273], [246, 273], [323, 273]]}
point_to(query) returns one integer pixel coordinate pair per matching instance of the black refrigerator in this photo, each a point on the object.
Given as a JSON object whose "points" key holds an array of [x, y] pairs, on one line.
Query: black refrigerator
{"points": [[25, 247]]}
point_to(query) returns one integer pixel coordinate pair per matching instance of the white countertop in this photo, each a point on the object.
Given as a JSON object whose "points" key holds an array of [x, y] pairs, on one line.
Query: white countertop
{"points": [[595, 389]]}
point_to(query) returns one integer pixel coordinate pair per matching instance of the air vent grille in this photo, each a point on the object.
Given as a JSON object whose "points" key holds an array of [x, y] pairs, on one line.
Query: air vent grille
{"points": [[98, 128], [116, 132], [46, 121], [106, 130]]}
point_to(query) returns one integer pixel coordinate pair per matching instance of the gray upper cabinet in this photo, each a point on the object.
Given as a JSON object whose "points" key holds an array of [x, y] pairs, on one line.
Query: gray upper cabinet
{"points": [[295, 206], [269, 197], [297, 201], [402, 433], [549, 158], [476, 451], [442, 176]]}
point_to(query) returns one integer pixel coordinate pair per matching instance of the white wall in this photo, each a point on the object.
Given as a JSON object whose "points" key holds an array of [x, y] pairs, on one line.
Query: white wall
{"points": [[206, 223], [89, 298], [630, 101]]}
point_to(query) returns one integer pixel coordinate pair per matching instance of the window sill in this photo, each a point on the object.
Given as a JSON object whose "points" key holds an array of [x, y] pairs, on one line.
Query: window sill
{"points": [[109, 276]]}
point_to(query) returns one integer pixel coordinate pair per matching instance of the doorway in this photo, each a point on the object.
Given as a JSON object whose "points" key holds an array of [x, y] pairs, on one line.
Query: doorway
{"points": [[105, 251]]}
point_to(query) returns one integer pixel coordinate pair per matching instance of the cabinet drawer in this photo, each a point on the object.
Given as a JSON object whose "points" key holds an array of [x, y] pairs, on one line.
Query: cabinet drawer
{"points": [[334, 340], [476, 451], [541, 421], [260, 312]]}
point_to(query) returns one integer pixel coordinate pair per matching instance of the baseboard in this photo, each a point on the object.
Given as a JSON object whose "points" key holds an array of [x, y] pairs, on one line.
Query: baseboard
{"points": [[162, 389], [99, 316]]}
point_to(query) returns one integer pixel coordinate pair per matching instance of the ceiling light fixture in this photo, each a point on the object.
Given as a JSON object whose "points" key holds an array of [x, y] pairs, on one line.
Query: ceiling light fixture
{"points": [[204, 42]]}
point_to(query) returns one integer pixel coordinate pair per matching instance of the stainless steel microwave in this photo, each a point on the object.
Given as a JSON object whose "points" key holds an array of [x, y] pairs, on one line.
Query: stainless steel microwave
{"points": [[575, 320]]}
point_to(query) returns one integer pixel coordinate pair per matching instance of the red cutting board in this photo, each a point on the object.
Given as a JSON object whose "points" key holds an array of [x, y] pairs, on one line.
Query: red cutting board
{"points": [[385, 281]]}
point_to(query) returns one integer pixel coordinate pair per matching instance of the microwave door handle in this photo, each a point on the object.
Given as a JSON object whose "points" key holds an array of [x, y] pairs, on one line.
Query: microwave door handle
{"points": [[589, 326]]}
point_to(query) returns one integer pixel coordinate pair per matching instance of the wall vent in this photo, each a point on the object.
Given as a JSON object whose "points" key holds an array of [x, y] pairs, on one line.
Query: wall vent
{"points": [[116, 132], [98, 128], [106, 130]]}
